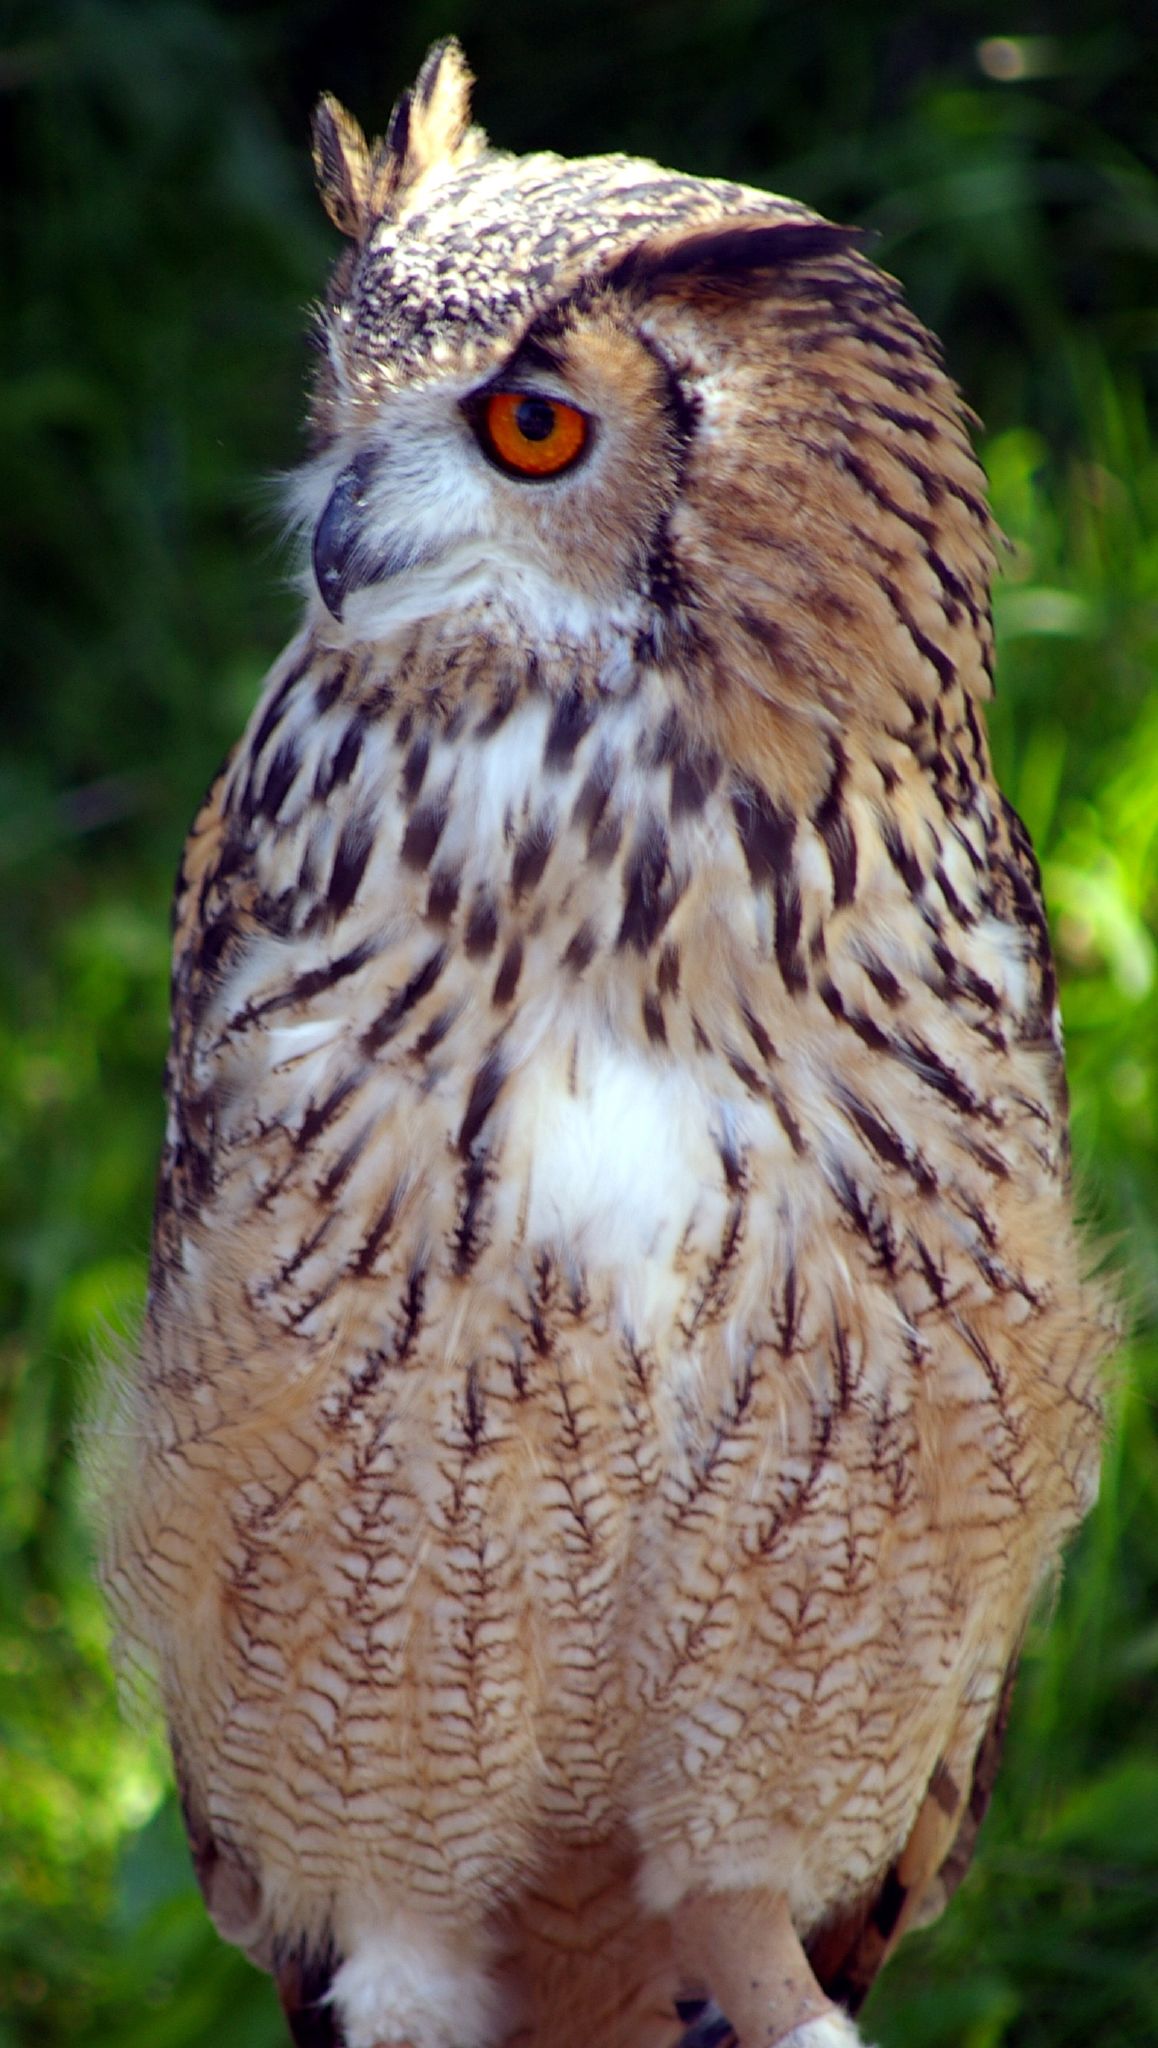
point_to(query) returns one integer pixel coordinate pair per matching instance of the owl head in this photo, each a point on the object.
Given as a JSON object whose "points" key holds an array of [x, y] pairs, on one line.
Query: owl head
{"points": [[601, 412]]}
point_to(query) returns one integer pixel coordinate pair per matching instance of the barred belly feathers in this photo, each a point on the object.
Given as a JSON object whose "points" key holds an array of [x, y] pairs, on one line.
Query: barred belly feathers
{"points": [[618, 1367]]}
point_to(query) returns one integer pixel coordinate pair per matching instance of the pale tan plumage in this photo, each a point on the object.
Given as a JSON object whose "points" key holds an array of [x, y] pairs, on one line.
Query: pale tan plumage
{"points": [[617, 1368]]}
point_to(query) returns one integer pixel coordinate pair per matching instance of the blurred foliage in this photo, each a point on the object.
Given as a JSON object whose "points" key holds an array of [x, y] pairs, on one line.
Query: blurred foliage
{"points": [[159, 246]]}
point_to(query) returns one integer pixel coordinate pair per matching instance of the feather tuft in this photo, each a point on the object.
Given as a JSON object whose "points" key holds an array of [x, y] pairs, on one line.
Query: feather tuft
{"points": [[429, 130]]}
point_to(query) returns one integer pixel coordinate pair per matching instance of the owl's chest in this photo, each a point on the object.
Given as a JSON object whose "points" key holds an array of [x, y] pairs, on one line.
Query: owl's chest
{"points": [[493, 1054]]}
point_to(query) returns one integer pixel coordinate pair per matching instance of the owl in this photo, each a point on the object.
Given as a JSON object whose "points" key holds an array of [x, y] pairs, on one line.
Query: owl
{"points": [[618, 1367]]}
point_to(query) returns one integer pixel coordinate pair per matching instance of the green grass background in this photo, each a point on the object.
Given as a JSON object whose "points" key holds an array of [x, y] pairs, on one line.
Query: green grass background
{"points": [[160, 246]]}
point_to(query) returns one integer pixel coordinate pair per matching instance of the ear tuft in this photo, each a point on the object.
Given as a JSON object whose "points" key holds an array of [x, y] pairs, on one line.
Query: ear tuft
{"points": [[440, 109], [429, 128], [342, 166]]}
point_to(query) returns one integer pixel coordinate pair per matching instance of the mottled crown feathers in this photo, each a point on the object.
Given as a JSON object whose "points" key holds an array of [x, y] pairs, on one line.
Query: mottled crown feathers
{"points": [[429, 128]]}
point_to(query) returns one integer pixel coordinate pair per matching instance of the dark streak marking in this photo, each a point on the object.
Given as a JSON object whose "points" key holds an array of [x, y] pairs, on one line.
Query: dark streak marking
{"points": [[725, 251], [653, 1022], [866, 1218], [413, 1303], [328, 693], [693, 777], [953, 902], [498, 712], [507, 978], [542, 1340], [930, 1068], [890, 343], [766, 832], [603, 842], [321, 1114], [349, 750], [353, 852], [976, 506], [467, 1240], [797, 1504], [668, 970], [984, 1222], [581, 950], [757, 1033], [482, 927], [832, 822], [789, 1314], [986, 1156], [531, 856], [402, 1001], [591, 801], [313, 983], [442, 902], [887, 1145], [474, 1425], [962, 979], [909, 422], [789, 917], [958, 596], [976, 748], [942, 663], [844, 1372], [277, 914], [371, 1245], [650, 893], [732, 1161], [934, 1277], [414, 767], [713, 1293], [787, 1120], [865, 1027], [330, 1183], [212, 945], [279, 780], [769, 633], [873, 488], [278, 704], [903, 858], [944, 1789], [431, 1038], [746, 1074], [570, 722], [424, 831], [484, 1094]]}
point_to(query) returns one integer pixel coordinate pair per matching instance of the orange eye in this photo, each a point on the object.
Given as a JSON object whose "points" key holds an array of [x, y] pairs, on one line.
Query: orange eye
{"points": [[531, 436]]}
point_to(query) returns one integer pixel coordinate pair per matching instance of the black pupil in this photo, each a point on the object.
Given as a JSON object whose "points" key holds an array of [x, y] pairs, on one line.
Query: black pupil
{"points": [[535, 418]]}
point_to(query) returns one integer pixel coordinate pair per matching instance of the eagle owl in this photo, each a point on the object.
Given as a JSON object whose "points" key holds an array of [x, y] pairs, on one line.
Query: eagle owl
{"points": [[617, 1365]]}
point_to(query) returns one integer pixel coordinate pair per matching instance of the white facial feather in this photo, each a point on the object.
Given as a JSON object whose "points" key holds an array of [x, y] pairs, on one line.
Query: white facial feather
{"points": [[455, 535]]}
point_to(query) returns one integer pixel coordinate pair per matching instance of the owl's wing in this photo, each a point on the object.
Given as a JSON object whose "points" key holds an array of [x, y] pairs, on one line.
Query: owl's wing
{"points": [[850, 1948], [200, 941], [303, 1973]]}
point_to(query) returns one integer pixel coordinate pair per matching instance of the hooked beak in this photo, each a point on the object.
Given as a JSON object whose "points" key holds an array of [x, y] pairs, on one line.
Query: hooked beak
{"points": [[343, 562], [340, 562]]}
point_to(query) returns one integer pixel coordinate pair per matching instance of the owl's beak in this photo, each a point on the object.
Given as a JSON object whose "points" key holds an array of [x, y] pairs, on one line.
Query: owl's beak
{"points": [[341, 563], [344, 560]]}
